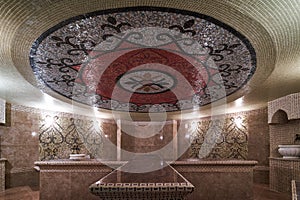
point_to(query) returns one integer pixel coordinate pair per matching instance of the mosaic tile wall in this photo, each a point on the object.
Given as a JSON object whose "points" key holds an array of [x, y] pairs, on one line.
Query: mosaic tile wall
{"points": [[230, 139], [289, 104], [284, 119], [283, 134], [253, 127], [249, 139], [26, 124], [60, 136]]}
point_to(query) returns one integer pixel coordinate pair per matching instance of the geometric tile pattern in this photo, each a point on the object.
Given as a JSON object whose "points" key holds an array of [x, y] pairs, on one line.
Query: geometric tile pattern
{"points": [[165, 183], [161, 191], [131, 59]]}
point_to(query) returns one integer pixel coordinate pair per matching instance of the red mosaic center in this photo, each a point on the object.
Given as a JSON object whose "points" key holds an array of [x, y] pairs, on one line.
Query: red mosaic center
{"points": [[156, 61]]}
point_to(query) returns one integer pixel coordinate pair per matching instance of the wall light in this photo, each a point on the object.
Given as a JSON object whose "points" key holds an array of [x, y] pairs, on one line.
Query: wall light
{"points": [[49, 120], [33, 134], [238, 121]]}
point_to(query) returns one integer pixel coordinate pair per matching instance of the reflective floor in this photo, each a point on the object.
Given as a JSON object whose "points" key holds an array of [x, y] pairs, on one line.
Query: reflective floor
{"points": [[261, 192]]}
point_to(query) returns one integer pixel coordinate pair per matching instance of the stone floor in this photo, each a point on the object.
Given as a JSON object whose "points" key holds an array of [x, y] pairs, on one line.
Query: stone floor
{"points": [[20, 193], [261, 192]]}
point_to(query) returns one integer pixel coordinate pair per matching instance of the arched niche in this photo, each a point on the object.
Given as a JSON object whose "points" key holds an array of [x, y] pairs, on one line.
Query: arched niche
{"points": [[289, 104], [279, 117]]}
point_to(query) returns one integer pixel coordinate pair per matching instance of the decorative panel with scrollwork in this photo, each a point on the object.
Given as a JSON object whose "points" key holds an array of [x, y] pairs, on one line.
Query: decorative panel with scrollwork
{"points": [[228, 139], [61, 136]]}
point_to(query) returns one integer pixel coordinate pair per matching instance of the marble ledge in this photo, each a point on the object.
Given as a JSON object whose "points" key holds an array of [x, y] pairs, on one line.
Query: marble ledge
{"points": [[215, 166], [68, 165], [220, 162], [181, 162], [70, 162], [285, 159]]}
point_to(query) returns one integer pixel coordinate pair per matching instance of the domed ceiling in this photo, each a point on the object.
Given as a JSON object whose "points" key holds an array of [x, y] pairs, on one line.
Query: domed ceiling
{"points": [[164, 56], [143, 59]]}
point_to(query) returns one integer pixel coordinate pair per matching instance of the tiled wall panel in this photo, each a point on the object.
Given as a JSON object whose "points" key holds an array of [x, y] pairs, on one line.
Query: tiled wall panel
{"points": [[35, 134]]}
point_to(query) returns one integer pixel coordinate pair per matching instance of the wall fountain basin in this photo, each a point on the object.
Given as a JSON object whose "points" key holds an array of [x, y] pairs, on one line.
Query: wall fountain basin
{"points": [[289, 151]]}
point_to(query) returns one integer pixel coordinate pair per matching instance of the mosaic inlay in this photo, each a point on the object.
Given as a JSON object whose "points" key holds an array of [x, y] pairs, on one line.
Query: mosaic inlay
{"points": [[146, 81], [231, 141], [60, 136], [134, 59]]}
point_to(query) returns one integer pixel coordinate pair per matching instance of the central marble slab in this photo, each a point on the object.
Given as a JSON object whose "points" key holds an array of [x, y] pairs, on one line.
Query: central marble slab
{"points": [[143, 178]]}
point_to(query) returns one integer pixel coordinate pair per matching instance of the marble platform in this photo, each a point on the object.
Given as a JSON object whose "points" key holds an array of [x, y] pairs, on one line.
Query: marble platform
{"points": [[212, 179], [218, 179], [70, 179], [164, 183]]}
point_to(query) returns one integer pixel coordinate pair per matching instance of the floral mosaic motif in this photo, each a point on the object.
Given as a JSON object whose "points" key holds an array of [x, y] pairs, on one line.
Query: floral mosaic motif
{"points": [[114, 25], [59, 56], [59, 137], [186, 28], [230, 140], [146, 81]]}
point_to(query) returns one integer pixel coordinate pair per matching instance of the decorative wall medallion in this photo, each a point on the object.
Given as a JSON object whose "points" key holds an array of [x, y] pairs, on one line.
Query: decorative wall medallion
{"points": [[134, 59]]}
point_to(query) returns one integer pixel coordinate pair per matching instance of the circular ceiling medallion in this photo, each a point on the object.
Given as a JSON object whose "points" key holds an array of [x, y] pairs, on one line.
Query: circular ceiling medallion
{"points": [[134, 59], [146, 81]]}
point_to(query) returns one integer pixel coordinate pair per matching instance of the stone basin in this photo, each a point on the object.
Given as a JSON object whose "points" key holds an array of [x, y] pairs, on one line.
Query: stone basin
{"points": [[289, 150]]}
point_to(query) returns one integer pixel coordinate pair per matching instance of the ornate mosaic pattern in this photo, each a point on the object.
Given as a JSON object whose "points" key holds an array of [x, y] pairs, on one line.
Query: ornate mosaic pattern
{"points": [[91, 59], [231, 141], [146, 81], [164, 183], [60, 137]]}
